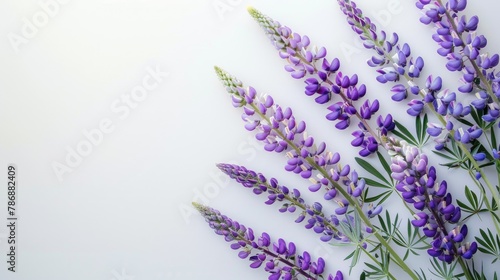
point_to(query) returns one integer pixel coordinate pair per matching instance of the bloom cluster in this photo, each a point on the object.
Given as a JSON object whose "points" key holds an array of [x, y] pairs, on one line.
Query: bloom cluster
{"points": [[462, 130], [280, 132], [325, 225], [459, 123], [460, 43], [281, 259], [417, 181], [326, 81], [397, 63], [278, 129]]}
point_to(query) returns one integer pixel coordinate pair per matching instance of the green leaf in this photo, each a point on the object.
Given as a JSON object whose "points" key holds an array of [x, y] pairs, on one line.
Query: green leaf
{"points": [[489, 244], [405, 134], [493, 138], [383, 196], [384, 163], [377, 184], [476, 115], [421, 124], [412, 241], [443, 270], [464, 121], [443, 155], [418, 126], [465, 207], [371, 169], [471, 197]]}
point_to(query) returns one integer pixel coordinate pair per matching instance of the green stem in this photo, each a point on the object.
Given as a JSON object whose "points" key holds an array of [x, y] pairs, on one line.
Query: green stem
{"points": [[485, 200], [358, 116], [462, 147], [464, 268], [377, 262], [397, 259]]}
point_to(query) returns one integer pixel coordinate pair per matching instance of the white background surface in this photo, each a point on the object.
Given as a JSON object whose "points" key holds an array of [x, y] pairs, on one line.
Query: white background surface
{"points": [[124, 211]]}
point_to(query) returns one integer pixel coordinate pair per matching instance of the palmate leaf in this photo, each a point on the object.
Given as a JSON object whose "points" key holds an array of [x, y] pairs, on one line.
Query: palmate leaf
{"points": [[477, 116], [412, 241], [354, 256], [421, 137], [421, 124], [352, 229], [404, 134], [385, 165], [379, 272], [476, 275], [473, 206], [379, 197], [493, 138], [455, 156], [383, 181], [421, 275], [388, 227], [372, 170], [443, 270], [489, 244], [478, 147]]}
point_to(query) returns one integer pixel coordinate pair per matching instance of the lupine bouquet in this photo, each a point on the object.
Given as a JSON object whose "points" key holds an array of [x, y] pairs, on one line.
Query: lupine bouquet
{"points": [[457, 121]]}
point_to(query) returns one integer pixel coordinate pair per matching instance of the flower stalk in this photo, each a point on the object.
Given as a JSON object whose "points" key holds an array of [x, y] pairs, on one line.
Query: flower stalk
{"points": [[279, 258], [280, 132]]}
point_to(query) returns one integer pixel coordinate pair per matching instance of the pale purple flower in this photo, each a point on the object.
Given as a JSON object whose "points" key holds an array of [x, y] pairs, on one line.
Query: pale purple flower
{"points": [[281, 259], [316, 219], [458, 40]]}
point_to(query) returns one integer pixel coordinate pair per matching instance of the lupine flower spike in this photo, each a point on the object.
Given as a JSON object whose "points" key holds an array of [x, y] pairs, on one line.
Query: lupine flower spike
{"points": [[280, 259], [395, 63], [462, 46], [325, 225], [323, 79], [418, 183], [280, 132]]}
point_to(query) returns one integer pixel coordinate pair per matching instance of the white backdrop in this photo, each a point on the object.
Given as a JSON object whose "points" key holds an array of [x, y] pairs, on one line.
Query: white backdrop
{"points": [[118, 208]]}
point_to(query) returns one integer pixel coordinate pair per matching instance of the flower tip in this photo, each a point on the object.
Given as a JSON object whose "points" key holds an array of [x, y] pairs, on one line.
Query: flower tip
{"points": [[253, 12], [197, 205], [218, 69]]}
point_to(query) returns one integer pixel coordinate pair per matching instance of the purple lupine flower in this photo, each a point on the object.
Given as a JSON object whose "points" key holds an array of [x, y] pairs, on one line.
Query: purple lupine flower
{"points": [[281, 259], [395, 62], [392, 57], [418, 184], [462, 46], [325, 225], [466, 136], [280, 132], [338, 276], [325, 81]]}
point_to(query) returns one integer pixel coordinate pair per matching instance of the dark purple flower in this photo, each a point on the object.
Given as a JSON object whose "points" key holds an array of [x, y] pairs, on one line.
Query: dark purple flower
{"points": [[323, 78], [417, 182]]}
